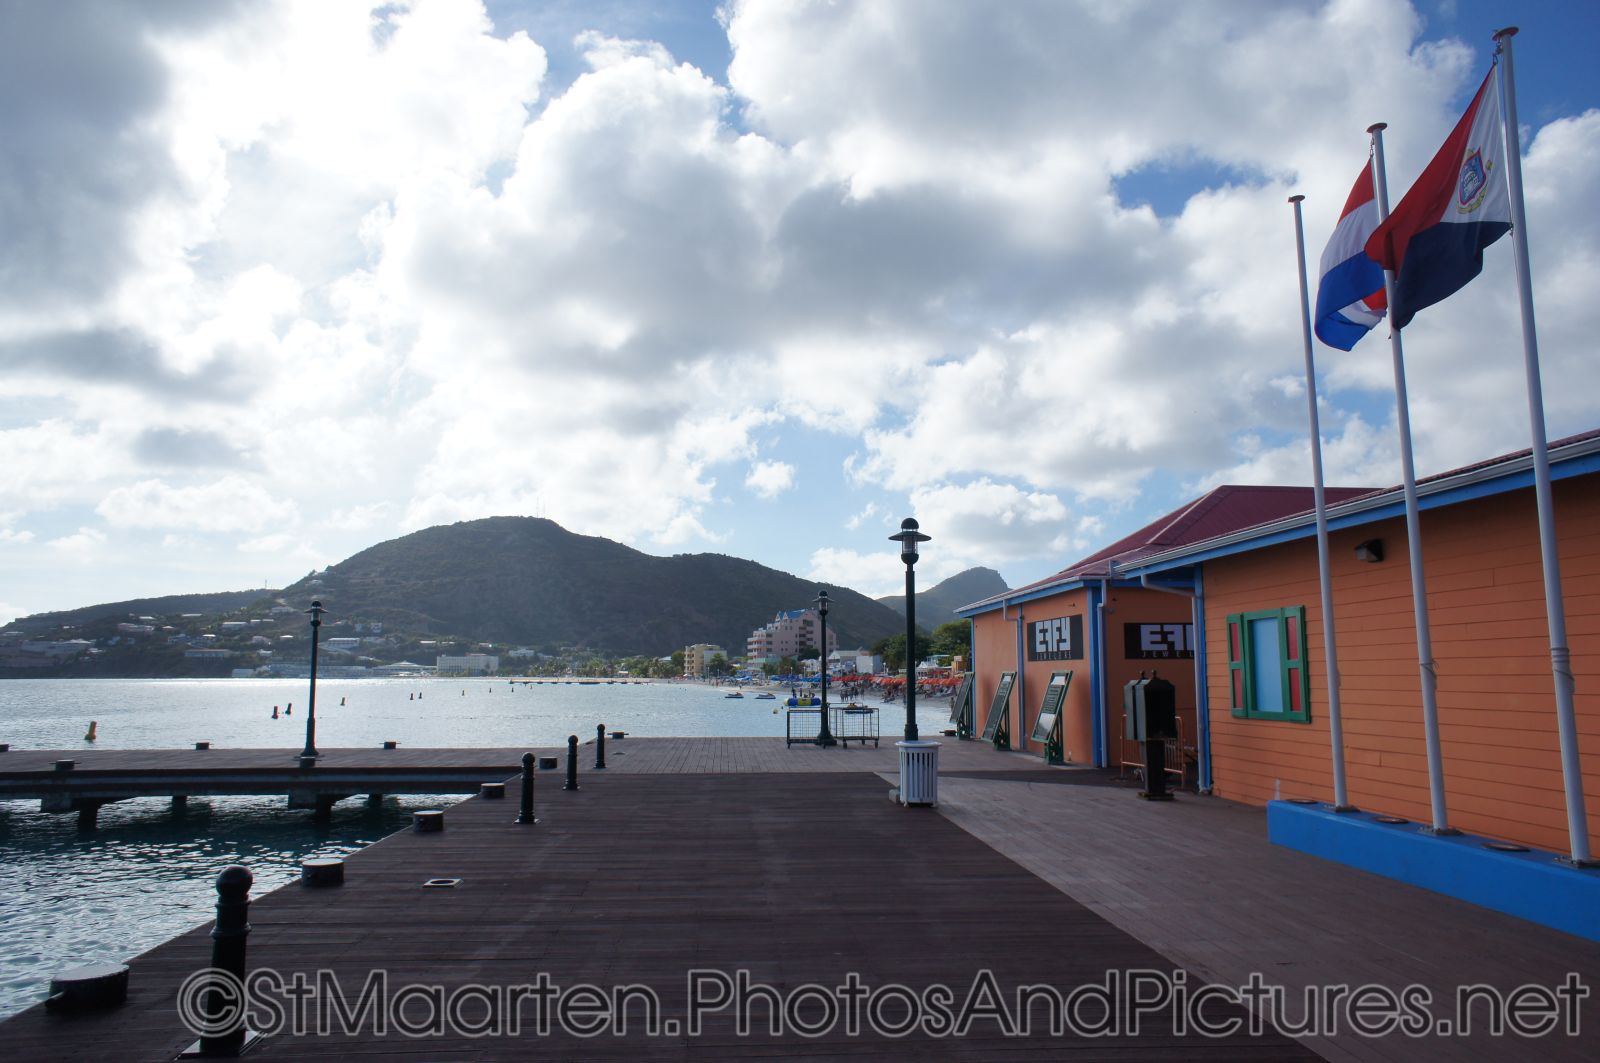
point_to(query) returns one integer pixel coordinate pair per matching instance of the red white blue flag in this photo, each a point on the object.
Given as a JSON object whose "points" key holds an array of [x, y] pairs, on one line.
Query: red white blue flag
{"points": [[1460, 205], [1350, 296]]}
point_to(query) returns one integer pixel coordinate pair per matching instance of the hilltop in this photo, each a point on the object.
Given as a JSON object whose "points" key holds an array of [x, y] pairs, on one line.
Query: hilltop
{"points": [[938, 604], [529, 581]]}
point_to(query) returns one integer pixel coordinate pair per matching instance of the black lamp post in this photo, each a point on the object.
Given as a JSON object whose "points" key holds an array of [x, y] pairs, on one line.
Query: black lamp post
{"points": [[908, 538], [316, 612], [824, 736]]}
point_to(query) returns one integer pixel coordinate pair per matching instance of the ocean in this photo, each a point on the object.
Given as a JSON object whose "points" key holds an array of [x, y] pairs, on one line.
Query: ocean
{"points": [[146, 874]]}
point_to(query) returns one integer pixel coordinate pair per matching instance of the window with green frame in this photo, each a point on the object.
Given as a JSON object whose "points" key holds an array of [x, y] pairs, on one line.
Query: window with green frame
{"points": [[1267, 665]]}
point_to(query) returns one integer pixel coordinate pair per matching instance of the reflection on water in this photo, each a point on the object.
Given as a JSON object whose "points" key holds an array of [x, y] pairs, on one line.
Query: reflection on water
{"points": [[147, 873]]}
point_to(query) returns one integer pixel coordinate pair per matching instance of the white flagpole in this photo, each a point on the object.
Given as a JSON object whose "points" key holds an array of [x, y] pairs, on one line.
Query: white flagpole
{"points": [[1419, 589], [1555, 610], [1341, 797]]}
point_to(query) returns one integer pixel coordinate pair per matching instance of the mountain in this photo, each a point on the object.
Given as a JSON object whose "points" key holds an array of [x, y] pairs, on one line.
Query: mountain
{"points": [[938, 604], [207, 605], [528, 581]]}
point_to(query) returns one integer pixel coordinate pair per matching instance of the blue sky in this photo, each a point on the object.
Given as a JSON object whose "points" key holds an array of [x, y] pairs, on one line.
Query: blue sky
{"points": [[284, 280]]}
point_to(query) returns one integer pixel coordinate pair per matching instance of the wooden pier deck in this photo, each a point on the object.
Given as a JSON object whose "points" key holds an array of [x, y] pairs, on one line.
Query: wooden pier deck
{"points": [[736, 854]]}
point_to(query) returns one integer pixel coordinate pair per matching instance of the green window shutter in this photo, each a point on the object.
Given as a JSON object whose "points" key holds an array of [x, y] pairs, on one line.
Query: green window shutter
{"points": [[1296, 681], [1236, 673]]}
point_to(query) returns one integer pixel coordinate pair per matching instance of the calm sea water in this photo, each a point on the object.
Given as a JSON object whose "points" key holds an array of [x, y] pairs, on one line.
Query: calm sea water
{"points": [[146, 874]]}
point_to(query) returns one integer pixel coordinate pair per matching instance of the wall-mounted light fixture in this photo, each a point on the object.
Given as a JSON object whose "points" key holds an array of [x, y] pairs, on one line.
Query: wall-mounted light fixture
{"points": [[1371, 550]]}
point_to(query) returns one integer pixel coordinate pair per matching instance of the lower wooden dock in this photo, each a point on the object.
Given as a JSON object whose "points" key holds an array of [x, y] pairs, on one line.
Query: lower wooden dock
{"points": [[84, 781]]}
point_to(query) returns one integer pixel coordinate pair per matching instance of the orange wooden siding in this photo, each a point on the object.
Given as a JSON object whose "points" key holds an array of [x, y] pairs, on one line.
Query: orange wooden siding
{"points": [[1497, 722]]}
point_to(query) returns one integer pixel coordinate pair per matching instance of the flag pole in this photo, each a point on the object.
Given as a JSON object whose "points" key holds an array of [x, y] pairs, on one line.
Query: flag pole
{"points": [[1341, 797], [1555, 610], [1419, 589]]}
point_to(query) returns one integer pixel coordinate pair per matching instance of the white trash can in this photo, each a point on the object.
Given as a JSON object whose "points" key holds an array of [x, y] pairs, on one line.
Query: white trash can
{"points": [[919, 772]]}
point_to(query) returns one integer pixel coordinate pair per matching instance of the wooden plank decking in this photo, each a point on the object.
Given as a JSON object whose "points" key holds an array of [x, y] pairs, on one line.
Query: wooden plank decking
{"points": [[796, 878], [738, 853]]}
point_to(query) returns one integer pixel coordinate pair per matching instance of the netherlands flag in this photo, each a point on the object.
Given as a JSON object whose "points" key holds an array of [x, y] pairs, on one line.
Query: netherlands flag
{"points": [[1350, 296], [1460, 205]]}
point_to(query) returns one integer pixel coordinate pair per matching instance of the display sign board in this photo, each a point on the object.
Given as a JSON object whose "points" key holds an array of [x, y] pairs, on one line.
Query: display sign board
{"points": [[1157, 641], [1055, 698], [1058, 639], [998, 708], [961, 705]]}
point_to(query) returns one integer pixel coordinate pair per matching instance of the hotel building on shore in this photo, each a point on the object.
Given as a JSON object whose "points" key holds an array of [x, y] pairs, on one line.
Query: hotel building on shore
{"points": [[697, 658], [786, 635]]}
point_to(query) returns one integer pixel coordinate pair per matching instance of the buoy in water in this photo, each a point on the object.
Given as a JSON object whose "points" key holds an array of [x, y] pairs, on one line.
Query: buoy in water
{"points": [[341, 701], [274, 712], [411, 697], [90, 736]]}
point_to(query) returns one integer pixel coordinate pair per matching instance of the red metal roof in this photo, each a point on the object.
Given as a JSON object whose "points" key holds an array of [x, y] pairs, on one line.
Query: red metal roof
{"points": [[1217, 512], [1231, 508]]}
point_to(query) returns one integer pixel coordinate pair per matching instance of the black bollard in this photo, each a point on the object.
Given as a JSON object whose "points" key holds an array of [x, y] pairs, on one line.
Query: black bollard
{"points": [[599, 747], [526, 815], [572, 763], [227, 955]]}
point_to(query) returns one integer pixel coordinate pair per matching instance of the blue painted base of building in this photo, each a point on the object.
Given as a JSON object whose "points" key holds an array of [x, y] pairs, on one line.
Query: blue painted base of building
{"points": [[1530, 885]]}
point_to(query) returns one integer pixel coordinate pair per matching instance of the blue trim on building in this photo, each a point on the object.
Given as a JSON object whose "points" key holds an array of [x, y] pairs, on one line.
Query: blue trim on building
{"points": [[1097, 686], [1202, 694], [1070, 585], [1529, 885]]}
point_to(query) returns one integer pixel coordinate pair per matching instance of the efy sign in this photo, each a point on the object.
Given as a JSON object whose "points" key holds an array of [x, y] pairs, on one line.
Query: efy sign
{"points": [[1157, 641], [1059, 639]]}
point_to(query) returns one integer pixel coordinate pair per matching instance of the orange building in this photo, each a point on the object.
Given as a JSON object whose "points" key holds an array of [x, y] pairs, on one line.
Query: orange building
{"points": [[1486, 608], [1105, 628], [1256, 723]]}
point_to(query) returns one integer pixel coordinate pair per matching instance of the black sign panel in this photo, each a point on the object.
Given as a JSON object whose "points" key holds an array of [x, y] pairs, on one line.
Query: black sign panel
{"points": [[1059, 639], [1157, 641], [998, 708], [961, 704], [1055, 695]]}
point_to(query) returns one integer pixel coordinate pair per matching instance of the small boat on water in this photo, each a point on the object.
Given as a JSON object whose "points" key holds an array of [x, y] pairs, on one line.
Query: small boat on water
{"points": [[766, 697], [735, 694]]}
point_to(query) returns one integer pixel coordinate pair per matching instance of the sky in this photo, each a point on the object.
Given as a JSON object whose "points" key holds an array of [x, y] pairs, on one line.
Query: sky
{"points": [[282, 279]]}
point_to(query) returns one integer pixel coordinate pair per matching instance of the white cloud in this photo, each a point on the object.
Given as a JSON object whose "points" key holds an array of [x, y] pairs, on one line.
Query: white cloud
{"points": [[228, 504], [863, 517], [349, 269], [875, 575], [769, 479], [986, 523], [83, 545]]}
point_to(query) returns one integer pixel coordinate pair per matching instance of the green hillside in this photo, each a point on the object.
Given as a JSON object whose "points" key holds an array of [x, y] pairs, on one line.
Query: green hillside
{"points": [[207, 605]]}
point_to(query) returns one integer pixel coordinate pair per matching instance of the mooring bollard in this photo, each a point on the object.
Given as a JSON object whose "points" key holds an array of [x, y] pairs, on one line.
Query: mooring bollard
{"points": [[572, 763], [322, 871], [391, 744], [599, 747], [88, 988], [227, 955], [526, 814], [202, 745], [492, 791], [428, 822]]}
